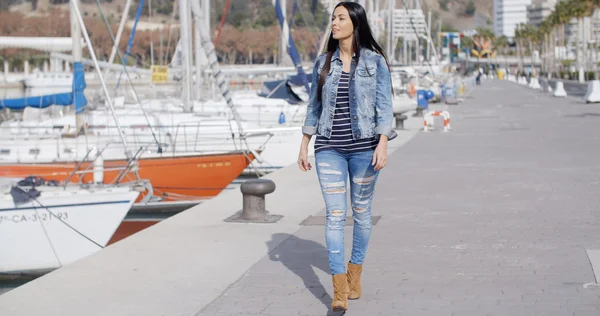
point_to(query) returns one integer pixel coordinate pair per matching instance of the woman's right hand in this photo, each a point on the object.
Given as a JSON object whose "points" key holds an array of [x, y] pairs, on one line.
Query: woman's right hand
{"points": [[303, 163]]}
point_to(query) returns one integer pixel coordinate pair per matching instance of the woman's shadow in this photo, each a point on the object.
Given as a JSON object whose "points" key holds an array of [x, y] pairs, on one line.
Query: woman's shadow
{"points": [[301, 256]]}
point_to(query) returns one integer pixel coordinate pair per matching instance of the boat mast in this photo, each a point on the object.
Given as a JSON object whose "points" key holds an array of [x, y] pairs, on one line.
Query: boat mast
{"points": [[290, 46], [285, 33], [76, 15], [200, 58], [124, 17], [390, 46], [76, 52], [186, 40], [327, 32], [209, 50]]}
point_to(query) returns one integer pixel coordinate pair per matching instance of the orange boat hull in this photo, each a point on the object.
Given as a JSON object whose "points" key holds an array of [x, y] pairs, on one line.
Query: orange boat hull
{"points": [[175, 178]]}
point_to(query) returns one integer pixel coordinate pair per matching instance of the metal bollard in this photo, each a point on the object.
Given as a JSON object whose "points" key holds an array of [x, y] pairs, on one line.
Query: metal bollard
{"points": [[400, 120], [253, 209], [419, 112]]}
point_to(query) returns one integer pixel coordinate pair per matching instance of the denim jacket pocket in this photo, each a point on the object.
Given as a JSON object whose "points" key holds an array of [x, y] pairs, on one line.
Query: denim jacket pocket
{"points": [[368, 71], [366, 76]]}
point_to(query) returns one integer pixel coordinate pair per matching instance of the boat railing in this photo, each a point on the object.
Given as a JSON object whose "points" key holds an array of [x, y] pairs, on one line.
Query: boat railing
{"points": [[94, 164], [184, 137]]}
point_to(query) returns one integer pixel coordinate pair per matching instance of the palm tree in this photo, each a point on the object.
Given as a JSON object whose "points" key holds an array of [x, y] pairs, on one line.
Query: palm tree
{"points": [[501, 43], [531, 36], [518, 37], [579, 9], [545, 30], [589, 7], [563, 16], [595, 5], [553, 22], [543, 34]]}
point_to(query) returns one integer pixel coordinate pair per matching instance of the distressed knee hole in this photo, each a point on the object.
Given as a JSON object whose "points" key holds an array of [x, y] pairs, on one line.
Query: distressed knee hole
{"points": [[323, 164], [360, 209], [362, 202], [363, 181], [334, 187], [334, 251], [363, 195], [330, 171], [336, 223], [337, 213]]}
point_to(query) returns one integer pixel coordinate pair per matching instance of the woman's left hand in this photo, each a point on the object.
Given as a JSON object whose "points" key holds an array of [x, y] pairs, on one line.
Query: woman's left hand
{"points": [[380, 155]]}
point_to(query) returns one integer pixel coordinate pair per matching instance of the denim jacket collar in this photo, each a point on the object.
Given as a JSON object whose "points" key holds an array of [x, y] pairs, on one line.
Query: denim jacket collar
{"points": [[336, 55]]}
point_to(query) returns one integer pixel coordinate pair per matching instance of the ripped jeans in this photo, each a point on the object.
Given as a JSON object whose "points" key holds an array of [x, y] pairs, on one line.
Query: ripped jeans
{"points": [[333, 169]]}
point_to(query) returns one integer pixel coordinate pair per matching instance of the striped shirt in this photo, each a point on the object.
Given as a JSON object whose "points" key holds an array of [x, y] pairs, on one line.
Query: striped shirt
{"points": [[341, 131]]}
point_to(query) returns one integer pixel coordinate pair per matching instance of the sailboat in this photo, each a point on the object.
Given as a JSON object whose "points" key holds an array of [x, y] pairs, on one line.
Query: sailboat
{"points": [[175, 174], [45, 226]]}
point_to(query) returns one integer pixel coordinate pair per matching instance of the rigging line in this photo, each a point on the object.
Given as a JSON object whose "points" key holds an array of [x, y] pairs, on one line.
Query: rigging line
{"points": [[226, 9], [315, 34], [251, 161], [175, 9], [291, 24], [60, 219], [113, 40], [48, 237], [131, 37], [151, 32], [416, 34]]}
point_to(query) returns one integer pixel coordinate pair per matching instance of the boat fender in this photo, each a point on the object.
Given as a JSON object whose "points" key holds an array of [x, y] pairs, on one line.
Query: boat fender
{"points": [[281, 118]]}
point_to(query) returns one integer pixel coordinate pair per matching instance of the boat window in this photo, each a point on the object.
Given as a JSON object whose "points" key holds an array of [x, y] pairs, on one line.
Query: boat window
{"points": [[4, 151], [67, 150], [34, 151]]}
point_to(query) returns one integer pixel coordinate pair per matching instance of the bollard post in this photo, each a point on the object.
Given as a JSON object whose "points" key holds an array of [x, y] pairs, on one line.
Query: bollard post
{"points": [[419, 112], [593, 92], [559, 89], [253, 200], [400, 120]]}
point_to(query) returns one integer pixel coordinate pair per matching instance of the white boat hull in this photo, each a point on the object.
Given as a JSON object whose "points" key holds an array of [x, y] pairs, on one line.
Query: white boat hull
{"points": [[69, 226]]}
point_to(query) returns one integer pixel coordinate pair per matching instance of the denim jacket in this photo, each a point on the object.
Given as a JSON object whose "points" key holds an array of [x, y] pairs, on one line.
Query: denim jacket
{"points": [[370, 97]]}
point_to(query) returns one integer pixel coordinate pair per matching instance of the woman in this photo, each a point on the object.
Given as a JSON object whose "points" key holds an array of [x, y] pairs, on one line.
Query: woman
{"points": [[350, 111]]}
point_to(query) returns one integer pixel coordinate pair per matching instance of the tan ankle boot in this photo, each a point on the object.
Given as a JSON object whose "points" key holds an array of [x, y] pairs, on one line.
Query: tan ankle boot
{"points": [[340, 292], [354, 271]]}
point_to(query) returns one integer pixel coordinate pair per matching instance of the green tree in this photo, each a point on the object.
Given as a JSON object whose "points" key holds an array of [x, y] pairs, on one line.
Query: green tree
{"points": [[444, 4], [470, 10], [501, 44], [5, 4]]}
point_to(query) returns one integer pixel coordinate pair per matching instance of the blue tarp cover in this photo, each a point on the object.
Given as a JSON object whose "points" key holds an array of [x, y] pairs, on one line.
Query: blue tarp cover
{"points": [[76, 97]]}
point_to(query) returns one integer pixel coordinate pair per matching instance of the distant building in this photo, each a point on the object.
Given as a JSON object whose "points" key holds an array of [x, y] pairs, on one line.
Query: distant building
{"points": [[539, 10], [508, 14]]}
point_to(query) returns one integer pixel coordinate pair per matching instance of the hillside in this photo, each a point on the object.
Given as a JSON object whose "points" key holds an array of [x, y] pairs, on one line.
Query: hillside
{"points": [[453, 13], [242, 13], [251, 12], [251, 30]]}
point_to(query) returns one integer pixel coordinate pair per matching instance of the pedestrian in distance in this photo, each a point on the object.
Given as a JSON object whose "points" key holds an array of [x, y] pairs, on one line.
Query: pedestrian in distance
{"points": [[350, 113]]}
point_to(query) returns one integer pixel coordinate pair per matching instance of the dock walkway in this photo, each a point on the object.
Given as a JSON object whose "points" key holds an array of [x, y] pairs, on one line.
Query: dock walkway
{"points": [[495, 217]]}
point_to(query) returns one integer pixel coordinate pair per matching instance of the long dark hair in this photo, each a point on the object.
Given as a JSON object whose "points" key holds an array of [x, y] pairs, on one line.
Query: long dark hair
{"points": [[363, 37]]}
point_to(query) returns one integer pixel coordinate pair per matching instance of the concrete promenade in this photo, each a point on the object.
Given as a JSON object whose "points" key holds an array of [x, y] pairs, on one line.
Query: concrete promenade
{"points": [[493, 218]]}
